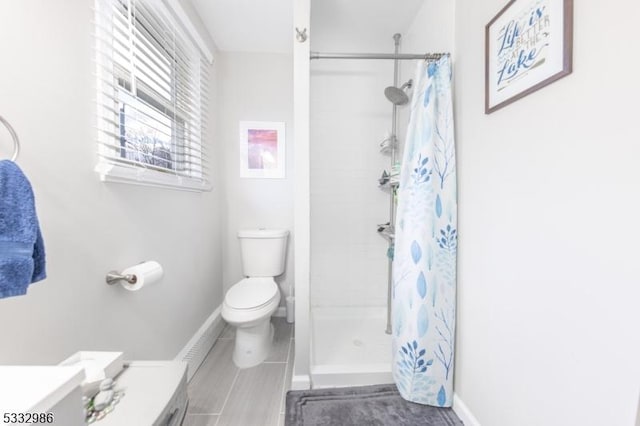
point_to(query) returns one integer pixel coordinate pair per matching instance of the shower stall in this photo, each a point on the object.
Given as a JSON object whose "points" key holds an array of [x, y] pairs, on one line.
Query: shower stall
{"points": [[348, 270], [354, 152]]}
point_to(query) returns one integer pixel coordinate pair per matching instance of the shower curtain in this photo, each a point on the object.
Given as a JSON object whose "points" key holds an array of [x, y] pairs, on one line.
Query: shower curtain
{"points": [[424, 265]]}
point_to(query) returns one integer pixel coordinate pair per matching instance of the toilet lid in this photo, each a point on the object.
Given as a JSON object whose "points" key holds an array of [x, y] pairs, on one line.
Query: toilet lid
{"points": [[251, 293]]}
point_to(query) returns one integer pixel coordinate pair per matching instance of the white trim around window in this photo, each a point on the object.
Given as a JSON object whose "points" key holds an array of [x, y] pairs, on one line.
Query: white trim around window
{"points": [[152, 84]]}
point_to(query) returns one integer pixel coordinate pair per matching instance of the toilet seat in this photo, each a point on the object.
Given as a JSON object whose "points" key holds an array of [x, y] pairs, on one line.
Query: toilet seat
{"points": [[250, 301], [252, 293]]}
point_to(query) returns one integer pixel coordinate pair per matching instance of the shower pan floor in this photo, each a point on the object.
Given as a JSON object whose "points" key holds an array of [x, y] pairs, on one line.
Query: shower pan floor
{"points": [[350, 347]]}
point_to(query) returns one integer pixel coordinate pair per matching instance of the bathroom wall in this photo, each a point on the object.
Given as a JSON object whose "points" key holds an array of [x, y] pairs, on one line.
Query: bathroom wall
{"points": [[349, 118], [548, 197], [257, 87], [432, 31], [89, 227]]}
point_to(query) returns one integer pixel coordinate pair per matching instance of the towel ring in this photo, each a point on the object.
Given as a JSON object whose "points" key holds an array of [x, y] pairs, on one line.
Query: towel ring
{"points": [[16, 141]]}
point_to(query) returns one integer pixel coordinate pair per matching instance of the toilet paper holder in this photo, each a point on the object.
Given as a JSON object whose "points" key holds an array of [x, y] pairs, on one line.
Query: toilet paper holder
{"points": [[114, 277]]}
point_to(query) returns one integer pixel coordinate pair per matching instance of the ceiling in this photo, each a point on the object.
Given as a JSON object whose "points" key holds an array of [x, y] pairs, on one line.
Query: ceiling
{"points": [[336, 25]]}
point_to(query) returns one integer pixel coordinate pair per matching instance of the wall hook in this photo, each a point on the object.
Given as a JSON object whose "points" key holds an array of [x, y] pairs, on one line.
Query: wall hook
{"points": [[301, 36]]}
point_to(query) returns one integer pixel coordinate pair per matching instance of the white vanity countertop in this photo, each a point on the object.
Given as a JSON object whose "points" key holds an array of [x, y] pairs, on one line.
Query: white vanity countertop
{"points": [[30, 389]]}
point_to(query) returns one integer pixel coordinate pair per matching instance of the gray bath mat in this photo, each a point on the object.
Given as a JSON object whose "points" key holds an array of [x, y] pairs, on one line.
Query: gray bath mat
{"points": [[379, 405]]}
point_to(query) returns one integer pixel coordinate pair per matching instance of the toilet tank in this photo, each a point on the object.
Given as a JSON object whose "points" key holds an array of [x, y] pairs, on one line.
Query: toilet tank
{"points": [[263, 251]]}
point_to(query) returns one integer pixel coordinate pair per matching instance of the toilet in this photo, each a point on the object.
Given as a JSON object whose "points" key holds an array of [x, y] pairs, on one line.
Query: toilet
{"points": [[249, 304]]}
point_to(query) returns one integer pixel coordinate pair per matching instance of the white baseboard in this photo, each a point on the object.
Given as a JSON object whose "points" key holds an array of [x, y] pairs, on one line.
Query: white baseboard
{"points": [[463, 412], [300, 382], [280, 312], [201, 343]]}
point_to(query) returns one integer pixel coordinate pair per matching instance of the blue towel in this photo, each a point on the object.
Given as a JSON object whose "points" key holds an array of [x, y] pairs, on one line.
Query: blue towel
{"points": [[22, 259]]}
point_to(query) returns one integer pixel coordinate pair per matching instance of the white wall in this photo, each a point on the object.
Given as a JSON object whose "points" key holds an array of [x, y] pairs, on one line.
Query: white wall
{"points": [[548, 196], [301, 377], [256, 87], [432, 31], [349, 118], [89, 227]]}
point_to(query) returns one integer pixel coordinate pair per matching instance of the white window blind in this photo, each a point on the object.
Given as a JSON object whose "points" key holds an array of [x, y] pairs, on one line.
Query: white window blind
{"points": [[152, 85]]}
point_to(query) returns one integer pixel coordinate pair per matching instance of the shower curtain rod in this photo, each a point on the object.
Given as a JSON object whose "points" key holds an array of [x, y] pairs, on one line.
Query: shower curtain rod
{"points": [[401, 56]]}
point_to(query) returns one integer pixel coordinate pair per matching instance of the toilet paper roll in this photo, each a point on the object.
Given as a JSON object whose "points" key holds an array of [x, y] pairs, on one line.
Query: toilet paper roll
{"points": [[146, 273]]}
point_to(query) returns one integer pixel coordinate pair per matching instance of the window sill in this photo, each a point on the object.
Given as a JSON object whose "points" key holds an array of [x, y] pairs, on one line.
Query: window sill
{"points": [[110, 172]]}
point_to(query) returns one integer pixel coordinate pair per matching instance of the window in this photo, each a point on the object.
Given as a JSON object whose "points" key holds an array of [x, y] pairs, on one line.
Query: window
{"points": [[151, 97]]}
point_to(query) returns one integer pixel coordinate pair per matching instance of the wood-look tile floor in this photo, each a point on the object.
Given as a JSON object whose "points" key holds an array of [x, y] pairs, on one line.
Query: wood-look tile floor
{"points": [[222, 394]]}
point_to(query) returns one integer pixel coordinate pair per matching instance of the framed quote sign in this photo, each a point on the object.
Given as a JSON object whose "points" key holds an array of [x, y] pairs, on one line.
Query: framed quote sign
{"points": [[528, 45]]}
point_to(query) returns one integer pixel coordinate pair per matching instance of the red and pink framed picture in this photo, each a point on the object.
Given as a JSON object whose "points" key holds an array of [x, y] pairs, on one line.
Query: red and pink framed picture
{"points": [[262, 149]]}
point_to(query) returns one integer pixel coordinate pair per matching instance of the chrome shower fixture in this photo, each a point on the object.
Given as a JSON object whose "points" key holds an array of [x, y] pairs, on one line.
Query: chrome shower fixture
{"points": [[398, 96]]}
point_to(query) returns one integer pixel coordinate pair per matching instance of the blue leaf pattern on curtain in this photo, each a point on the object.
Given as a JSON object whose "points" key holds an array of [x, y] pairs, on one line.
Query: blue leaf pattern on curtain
{"points": [[421, 285], [442, 396], [424, 264], [427, 96], [423, 321], [416, 252]]}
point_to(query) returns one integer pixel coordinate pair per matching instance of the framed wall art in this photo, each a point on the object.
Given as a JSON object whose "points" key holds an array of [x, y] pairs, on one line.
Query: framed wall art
{"points": [[262, 149], [528, 45]]}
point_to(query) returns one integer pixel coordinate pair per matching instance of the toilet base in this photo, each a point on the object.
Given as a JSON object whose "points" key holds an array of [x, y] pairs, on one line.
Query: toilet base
{"points": [[253, 344]]}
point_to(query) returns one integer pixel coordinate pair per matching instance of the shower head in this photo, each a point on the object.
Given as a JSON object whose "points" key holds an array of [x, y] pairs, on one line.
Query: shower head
{"points": [[397, 96]]}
